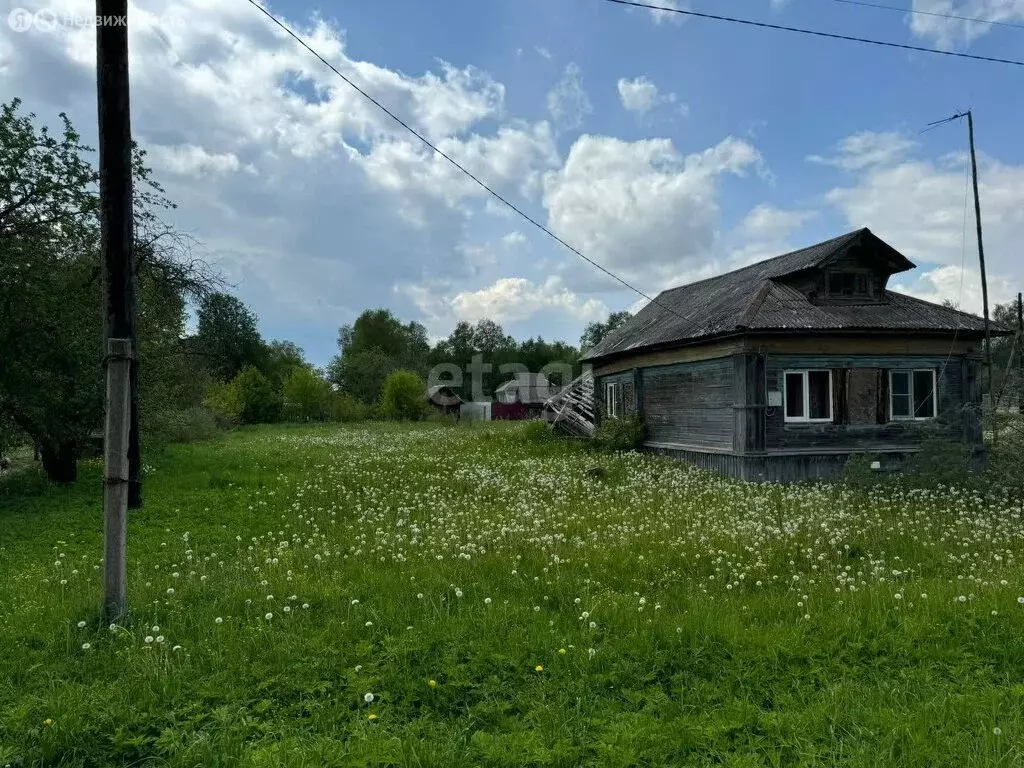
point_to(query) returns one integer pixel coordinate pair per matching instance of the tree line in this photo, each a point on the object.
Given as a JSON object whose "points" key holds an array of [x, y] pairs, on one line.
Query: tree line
{"points": [[190, 383]]}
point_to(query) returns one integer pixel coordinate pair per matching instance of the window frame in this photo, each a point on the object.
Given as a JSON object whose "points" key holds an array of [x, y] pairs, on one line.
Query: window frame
{"points": [[805, 384], [855, 276], [611, 398], [910, 388]]}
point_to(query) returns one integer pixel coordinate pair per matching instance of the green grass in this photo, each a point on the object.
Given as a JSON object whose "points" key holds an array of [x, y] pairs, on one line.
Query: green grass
{"points": [[703, 621]]}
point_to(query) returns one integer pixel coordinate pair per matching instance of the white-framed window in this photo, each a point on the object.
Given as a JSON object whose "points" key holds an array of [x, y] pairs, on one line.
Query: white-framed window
{"points": [[912, 394], [612, 398], [808, 395]]}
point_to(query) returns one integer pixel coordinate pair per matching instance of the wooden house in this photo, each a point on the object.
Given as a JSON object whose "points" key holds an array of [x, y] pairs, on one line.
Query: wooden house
{"points": [[784, 369], [531, 390]]}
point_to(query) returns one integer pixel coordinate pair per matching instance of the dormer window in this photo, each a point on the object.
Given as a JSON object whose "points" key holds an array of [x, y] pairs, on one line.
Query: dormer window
{"points": [[848, 284]]}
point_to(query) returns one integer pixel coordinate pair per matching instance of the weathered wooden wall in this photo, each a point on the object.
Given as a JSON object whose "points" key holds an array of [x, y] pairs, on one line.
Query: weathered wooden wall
{"points": [[690, 404], [714, 412], [780, 434]]}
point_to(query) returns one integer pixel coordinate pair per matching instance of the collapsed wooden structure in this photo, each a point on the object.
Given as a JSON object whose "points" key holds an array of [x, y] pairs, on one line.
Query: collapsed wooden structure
{"points": [[572, 411]]}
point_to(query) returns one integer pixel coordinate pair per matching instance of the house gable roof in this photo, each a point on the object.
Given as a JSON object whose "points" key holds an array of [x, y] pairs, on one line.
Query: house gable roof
{"points": [[759, 298]]}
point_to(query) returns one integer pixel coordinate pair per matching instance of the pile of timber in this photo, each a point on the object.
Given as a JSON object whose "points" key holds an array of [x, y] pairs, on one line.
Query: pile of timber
{"points": [[572, 410]]}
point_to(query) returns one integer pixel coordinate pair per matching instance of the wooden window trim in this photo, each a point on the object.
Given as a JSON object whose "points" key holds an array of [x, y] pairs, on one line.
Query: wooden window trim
{"points": [[611, 398], [806, 419], [910, 387]]}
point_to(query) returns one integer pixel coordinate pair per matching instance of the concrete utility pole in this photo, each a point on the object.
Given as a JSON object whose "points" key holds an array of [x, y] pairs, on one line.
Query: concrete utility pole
{"points": [[117, 230]]}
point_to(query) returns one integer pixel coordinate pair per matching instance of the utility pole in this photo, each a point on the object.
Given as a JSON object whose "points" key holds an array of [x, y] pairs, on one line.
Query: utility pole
{"points": [[117, 231], [1020, 355], [981, 261], [984, 280]]}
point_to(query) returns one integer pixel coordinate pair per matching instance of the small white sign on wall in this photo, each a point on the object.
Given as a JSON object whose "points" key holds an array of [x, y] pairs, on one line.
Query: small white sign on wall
{"points": [[774, 398]]}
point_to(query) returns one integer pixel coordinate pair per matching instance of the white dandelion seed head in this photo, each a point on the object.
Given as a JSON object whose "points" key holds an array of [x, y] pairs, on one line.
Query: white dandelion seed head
{"points": [[368, 698]]}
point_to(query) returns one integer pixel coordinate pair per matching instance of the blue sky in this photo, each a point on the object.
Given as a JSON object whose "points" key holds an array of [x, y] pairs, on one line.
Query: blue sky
{"points": [[665, 149]]}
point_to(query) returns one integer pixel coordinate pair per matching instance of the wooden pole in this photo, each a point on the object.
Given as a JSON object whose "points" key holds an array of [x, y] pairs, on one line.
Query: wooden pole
{"points": [[115, 479], [116, 236], [1020, 355], [984, 280]]}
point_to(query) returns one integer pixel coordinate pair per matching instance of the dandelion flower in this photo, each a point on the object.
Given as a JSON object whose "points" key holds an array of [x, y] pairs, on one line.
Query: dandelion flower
{"points": [[176, 648], [368, 698], [218, 620], [48, 722], [371, 717], [156, 628], [539, 668], [487, 601], [81, 625], [562, 651], [269, 616], [159, 638], [432, 683], [86, 646], [305, 606], [359, 667], [593, 625], [149, 639], [997, 731], [458, 593]]}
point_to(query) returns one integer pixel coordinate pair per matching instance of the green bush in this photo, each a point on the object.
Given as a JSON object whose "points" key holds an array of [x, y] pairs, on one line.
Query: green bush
{"points": [[942, 461], [249, 398], [537, 432], [624, 434], [307, 397], [343, 407], [1006, 460], [857, 472], [403, 397], [223, 399], [189, 425]]}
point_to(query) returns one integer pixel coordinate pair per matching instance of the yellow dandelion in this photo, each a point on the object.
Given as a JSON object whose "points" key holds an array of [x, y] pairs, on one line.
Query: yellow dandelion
{"points": [[562, 651], [371, 716], [432, 683], [48, 722], [539, 668]]}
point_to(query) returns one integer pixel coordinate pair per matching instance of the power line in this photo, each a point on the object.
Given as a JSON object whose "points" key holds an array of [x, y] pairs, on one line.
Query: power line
{"points": [[447, 157], [953, 16], [816, 33]]}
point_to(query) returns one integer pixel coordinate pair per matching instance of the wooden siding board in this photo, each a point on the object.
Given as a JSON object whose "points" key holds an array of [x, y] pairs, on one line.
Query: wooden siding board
{"points": [[690, 403]]}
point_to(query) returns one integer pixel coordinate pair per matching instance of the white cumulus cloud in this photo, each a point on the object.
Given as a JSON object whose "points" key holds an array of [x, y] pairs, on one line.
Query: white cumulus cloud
{"points": [[642, 209], [568, 103], [640, 95]]}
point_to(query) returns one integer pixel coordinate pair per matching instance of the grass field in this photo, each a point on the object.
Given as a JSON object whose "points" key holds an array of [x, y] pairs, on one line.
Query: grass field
{"points": [[454, 596]]}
